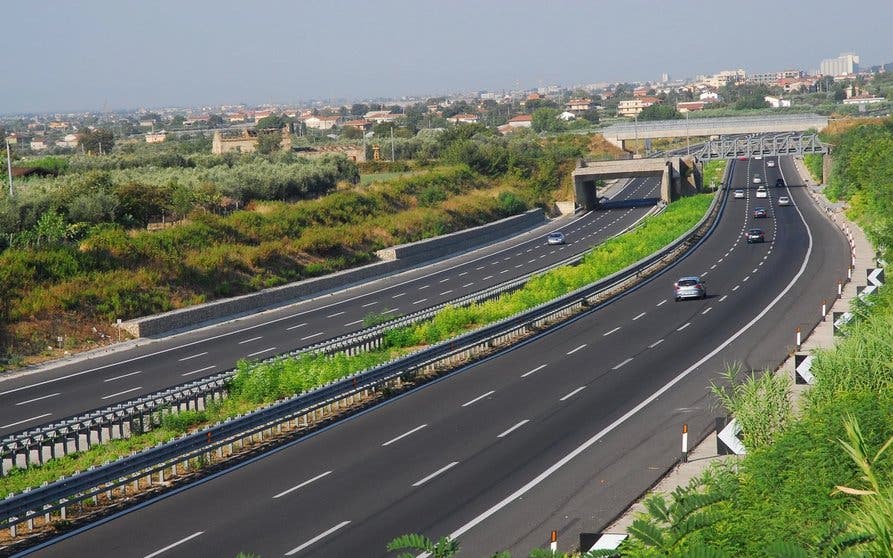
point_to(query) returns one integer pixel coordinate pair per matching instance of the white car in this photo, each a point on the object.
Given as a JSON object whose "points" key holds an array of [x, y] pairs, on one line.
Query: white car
{"points": [[762, 192], [770, 163], [738, 194], [758, 157], [757, 180], [784, 200]]}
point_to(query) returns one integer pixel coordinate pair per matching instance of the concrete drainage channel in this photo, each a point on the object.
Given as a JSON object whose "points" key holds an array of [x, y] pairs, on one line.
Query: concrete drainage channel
{"points": [[83, 497]]}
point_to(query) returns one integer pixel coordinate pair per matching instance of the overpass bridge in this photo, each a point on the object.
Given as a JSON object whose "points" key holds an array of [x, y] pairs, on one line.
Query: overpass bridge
{"points": [[679, 176], [738, 125]]}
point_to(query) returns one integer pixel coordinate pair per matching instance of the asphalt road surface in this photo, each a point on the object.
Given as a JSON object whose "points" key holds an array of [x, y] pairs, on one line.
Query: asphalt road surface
{"points": [[562, 432]]}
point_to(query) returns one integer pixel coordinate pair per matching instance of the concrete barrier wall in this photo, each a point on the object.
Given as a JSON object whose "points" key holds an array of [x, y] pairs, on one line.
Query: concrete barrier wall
{"points": [[397, 258]]}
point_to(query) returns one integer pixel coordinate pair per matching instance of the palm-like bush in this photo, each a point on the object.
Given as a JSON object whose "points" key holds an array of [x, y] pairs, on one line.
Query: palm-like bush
{"points": [[413, 544]]}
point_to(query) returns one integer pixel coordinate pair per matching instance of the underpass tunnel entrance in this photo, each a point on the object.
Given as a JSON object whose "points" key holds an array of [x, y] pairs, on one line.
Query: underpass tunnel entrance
{"points": [[678, 177]]}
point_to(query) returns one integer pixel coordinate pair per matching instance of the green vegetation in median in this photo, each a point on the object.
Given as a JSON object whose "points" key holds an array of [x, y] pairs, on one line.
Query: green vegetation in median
{"points": [[813, 162], [258, 383], [713, 172]]}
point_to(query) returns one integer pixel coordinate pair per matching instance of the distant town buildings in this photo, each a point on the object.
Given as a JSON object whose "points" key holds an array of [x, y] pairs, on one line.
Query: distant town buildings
{"points": [[777, 102], [845, 64], [322, 122], [632, 107], [246, 142], [156, 137]]}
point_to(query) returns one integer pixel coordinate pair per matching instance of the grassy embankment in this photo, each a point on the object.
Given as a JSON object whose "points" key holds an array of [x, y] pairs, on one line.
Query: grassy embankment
{"points": [[819, 483], [258, 383]]}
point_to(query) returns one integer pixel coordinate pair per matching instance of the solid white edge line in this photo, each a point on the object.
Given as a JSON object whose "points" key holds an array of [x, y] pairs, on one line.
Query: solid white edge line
{"points": [[38, 398], [317, 538], [647, 401], [404, 435], [537, 369], [573, 393], [178, 543], [478, 398], [435, 473], [121, 392], [512, 429], [25, 420], [302, 485]]}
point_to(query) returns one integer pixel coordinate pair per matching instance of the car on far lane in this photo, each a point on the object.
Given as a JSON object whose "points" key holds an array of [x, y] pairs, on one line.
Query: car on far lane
{"points": [[757, 180], [742, 158], [555, 238], [689, 287], [758, 157], [784, 200], [779, 183], [759, 213], [762, 192], [738, 194], [770, 163], [755, 235]]}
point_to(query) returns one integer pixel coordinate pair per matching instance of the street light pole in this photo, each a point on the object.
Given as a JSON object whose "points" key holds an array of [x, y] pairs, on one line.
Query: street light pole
{"points": [[9, 168], [687, 146], [636, 130]]}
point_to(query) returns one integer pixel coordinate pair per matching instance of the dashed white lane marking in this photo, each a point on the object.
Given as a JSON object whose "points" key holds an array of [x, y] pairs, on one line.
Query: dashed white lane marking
{"points": [[419, 301], [123, 376], [723, 298], [424, 287], [389, 310], [504, 271], [531, 261], [404, 435], [250, 340], [512, 429], [537, 369], [720, 259], [199, 370], [398, 295], [655, 344], [713, 266], [709, 308], [295, 326], [260, 352], [178, 543], [507, 258], [487, 277], [317, 538], [572, 351], [25, 420], [639, 316], [444, 280], [466, 273], [312, 336], [519, 265], [369, 304], [355, 322], [745, 279], [680, 328], [121, 392], [662, 302], [622, 364], [607, 333], [479, 268], [467, 285], [736, 287], [478, 398], [336, 314], [442, 470], [302, 485], [38, 399], [193, 356], [446, 292], [573, 393]]}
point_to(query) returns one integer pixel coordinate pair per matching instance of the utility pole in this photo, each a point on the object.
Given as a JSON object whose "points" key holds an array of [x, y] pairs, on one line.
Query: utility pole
{"points": [[9, 167], [393, 157]]}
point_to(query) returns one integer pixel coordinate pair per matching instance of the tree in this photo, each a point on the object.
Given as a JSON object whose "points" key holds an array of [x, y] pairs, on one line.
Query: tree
{"points": [[359, 109], [546, 120], [659, 112], [268, 141], [417, 544], [274, 121], [350, 132], [97, 140]]}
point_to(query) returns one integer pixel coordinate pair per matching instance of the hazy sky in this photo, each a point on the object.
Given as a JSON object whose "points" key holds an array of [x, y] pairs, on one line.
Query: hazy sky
{"points": [[81, 55]]}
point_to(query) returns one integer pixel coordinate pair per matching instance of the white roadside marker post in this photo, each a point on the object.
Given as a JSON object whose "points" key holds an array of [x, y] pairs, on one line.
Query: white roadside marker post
{"points": [[685, 443]]}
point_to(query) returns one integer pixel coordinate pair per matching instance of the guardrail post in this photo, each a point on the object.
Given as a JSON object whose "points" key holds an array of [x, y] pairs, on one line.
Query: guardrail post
{"points": [[62, 511], [12, 527]]}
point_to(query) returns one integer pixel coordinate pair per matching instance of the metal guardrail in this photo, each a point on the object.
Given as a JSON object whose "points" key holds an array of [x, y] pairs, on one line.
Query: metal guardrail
{"points": [[77, 433], [80, 486]]}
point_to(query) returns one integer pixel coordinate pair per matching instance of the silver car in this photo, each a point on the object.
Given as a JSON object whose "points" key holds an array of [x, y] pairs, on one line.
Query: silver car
{"points": [[689, 287], [555, 238]]}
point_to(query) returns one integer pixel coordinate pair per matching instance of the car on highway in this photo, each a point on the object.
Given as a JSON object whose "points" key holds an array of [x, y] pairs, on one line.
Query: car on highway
{"points": [[762, 192], [689, 287], [784, 200], [770, 163], [757, 157], [779, 183], [760, 213], [742, 158], [757, 180], [738, 194], [556, 238], [755, 235]]}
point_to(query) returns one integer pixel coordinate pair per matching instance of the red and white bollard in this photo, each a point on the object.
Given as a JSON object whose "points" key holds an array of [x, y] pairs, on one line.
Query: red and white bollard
{"points": [[824, 309], [684, 443], [553, 542]]}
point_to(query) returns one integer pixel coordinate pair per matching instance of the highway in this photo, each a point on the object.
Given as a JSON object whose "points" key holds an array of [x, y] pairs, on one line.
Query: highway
{"points": [[30, 400], [561, 432]]}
